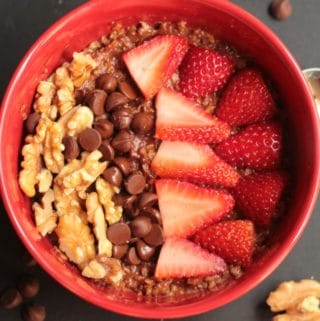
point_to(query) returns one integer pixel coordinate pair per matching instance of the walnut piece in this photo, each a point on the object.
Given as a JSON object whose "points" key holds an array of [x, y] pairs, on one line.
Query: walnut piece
{"points": [[94, 270], [113, 267], [44, 99], [300, 300], [96, 217], [75, 239], [106, 191], [45, 180], [45, 217], [31, 165], [78, 175], [65, 98], [81, 119], [81, 67]]}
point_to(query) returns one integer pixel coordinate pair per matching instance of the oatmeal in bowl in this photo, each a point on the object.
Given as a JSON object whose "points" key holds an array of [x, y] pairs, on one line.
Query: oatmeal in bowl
{"points": [[128, 172], [154, 161]]}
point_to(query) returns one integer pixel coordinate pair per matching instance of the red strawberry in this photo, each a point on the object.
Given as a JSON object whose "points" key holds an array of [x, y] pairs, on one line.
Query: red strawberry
{"points": [[246, 99], [153, 63], [193, 162], [204, 71], [234, 240], [258, 195], [179, 118], [181, 258], [186, 207], [257, 146]]}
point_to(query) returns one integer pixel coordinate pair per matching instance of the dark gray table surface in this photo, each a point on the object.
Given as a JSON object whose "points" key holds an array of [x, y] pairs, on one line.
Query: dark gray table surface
{"points": [[21, 22]]}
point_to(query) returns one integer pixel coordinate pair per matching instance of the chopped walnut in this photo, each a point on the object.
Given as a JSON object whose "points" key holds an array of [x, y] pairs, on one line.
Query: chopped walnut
{"points": [[44, 99], [31, 165], [96, 217], [300, 300], [78, 175], [94, 270], [45, 217], [75, 239], [45, 180], [113, 267], [106, 191], [53, 147], [65, 99], [81, 67], [81, 119]]}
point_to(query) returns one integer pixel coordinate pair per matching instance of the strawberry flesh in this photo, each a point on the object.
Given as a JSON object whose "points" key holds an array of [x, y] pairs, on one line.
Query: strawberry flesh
{"points": [[185, 207], [258, 195], [153, 63], [233, 240], [258, 146], [204, 71], [246, 99], [194, 163], [179, 118], [181, 258]]}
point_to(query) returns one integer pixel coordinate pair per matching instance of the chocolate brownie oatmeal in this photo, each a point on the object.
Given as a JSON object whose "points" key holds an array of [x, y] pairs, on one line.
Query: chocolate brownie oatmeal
{"points": [[153, 160]]}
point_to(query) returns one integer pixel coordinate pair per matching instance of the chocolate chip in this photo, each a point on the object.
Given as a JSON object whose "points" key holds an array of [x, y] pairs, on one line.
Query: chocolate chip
{"points": [[107, 83], [28, 285], [281, 9], [10, 298], [119, 233], [121, 118], [147, 200], [142, 122], [104, 127], [144, 251], [96, 101], [115, 100], [127, 90], [135, 183], [33, 312], [124, 164], [155, 236], [89, 139], [80, 96], [127, 201], [32, 122], [71, 148], [140, 226], [119, 251], [123, 141], [27, 259], [113, 176], [153, 213], [133, 257], [107, 151]]}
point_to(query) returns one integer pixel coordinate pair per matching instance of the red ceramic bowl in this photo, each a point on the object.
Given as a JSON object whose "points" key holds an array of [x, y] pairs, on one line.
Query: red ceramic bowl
{"points": [[87, 23]]}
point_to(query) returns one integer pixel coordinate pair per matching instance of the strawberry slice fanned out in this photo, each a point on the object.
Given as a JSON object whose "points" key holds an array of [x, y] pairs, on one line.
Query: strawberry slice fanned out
{"points": [[194, 163], [204, 71], [258, 146], [185, 207], [179, 118], [246, 100], [258, 195], [233, 240], [153, 63], [181, 258]]}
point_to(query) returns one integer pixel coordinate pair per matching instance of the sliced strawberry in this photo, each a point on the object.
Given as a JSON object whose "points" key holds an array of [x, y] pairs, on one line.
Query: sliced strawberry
{"points": [[204, 71], [246, 100], [153, 63], [258, 195], [234, 241], [181, 258], [193, 162], [179, 118], [258, 146], [185, 207]]}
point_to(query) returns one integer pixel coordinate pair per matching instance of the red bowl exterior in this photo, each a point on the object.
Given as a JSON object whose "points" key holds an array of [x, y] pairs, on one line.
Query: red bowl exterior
{"points": [[227, 21]]}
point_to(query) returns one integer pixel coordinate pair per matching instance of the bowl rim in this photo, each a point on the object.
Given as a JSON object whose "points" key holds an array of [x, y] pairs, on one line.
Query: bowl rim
{"points": [[202, 305]]}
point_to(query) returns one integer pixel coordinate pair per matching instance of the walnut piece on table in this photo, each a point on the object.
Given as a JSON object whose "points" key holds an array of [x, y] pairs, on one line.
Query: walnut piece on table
{"points": [[300, 301]]}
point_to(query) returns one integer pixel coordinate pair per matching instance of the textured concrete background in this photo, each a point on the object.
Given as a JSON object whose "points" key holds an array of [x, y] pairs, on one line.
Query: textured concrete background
{"points": [[21, 22]]}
